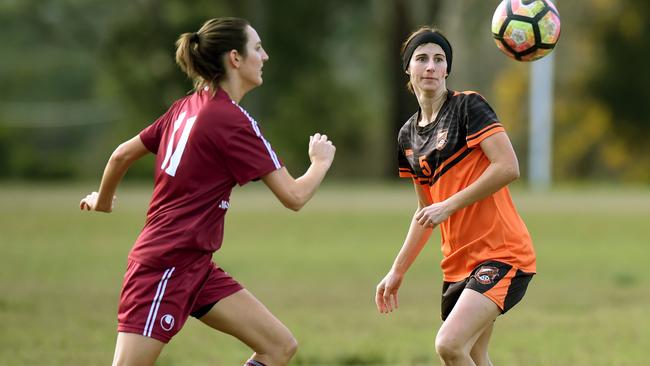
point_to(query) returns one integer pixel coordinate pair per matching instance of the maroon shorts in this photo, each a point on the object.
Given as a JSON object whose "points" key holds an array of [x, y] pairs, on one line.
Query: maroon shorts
{"points": [[156, 302]]}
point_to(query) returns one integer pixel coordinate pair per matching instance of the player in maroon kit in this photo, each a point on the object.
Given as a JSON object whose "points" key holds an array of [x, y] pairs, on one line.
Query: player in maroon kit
{"points": [[205, 144]]}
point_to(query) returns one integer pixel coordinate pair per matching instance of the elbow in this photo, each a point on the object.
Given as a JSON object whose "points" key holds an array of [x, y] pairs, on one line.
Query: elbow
{"points": [[512, 173], [121, 156], [507, 173], [118, 158], [293, 206], [294, 203]]}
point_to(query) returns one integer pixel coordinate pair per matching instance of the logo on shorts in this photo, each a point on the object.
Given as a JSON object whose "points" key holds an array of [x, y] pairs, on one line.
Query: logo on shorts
{"points": [[486, 275], [167, 322]]}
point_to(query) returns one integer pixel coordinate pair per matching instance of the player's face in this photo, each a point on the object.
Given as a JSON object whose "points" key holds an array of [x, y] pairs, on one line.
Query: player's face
{"points": [[251, 67], [428, 68]]}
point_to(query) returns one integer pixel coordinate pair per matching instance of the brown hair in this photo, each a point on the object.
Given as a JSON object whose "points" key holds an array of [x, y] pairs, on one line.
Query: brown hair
{"points": [[200, 54]]}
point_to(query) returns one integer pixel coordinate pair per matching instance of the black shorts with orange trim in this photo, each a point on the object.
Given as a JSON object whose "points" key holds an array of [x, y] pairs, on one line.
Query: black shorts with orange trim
{"points": [[500, 282]]}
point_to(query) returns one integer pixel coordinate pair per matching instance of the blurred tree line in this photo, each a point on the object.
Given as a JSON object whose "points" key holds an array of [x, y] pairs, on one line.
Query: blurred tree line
{"points": [[78, 77]]}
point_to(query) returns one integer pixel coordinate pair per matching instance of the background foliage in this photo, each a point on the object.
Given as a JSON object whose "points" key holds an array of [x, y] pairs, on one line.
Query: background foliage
{"points": [[78, 77]]}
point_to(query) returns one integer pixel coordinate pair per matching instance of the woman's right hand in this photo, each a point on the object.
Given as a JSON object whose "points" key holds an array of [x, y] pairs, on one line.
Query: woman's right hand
{"points": [[321, 150], [386, 295]]}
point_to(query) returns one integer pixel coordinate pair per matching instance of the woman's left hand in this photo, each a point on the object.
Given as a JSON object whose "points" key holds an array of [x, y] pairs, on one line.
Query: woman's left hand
{"points": [[90, 203], [432, 215]]}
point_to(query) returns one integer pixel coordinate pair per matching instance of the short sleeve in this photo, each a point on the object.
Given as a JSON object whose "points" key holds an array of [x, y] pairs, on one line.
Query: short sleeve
{"points": [[481, 120], [405, 169], [249, 156], [152, 134], [403, 152]]}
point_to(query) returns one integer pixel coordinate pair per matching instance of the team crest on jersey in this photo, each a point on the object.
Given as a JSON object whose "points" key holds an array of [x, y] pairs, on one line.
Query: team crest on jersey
{"points": [[486, 275], [441, 139]]}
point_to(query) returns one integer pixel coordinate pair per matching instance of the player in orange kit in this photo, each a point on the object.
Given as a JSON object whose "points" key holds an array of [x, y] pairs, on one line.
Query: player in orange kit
{"points": [[460, 160]]}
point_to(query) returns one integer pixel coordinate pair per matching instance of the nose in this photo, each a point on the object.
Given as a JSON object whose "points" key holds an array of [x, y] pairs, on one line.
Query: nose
{"points": [[265, 56], [431, 65]]}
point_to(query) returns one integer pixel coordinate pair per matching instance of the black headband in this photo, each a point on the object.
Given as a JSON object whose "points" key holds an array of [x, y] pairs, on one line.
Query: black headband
{"points": [[427, 37]]}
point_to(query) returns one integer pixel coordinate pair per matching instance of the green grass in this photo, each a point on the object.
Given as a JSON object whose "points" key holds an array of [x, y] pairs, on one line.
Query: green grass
{"points": [[317, 270]]}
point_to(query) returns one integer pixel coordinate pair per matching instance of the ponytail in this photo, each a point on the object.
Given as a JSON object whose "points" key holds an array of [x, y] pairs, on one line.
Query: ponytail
{"points": [[200, 54]]}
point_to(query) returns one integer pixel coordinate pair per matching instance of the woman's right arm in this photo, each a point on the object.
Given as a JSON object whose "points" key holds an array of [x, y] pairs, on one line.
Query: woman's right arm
{"points": [[295, 193], [117, 165], [417, 237]]}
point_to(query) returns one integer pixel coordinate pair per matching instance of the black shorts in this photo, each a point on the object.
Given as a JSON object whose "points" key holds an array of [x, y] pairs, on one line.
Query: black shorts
{"points": [[500, 282]]}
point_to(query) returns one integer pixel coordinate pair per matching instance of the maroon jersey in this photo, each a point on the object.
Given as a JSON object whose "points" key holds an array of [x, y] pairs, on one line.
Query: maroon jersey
{"points": [[204, 146]]}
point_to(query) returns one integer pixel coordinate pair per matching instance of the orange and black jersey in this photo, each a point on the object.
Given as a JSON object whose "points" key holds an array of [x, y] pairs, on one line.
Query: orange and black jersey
{"points": [[426, 153], [445, 156]]}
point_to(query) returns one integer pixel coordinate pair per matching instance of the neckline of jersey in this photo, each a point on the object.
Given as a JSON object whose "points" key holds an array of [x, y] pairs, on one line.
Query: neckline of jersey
{"points": [[424, 129]]}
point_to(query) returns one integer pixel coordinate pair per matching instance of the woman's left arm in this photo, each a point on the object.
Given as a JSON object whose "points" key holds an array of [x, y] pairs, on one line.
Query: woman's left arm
{"points": [[503, 169]]}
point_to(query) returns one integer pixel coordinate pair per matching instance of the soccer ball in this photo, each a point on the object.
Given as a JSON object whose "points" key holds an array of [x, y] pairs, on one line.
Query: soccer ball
{"points": [[526, 30]]}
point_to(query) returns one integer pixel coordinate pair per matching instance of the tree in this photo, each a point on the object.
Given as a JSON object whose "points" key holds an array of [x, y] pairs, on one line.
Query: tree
{"points": [[404, 17]]}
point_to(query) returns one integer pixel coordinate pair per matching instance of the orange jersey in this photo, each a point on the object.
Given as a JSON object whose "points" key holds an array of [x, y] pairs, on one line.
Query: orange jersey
{"points": [[445, 155]]}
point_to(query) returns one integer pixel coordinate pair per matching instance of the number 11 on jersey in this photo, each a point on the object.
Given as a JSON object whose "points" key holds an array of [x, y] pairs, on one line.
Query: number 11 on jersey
{"points": [[175, 149]]}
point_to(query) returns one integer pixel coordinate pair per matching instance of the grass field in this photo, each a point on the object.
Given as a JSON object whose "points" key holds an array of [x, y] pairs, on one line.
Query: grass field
{"points": [[317, 270]]}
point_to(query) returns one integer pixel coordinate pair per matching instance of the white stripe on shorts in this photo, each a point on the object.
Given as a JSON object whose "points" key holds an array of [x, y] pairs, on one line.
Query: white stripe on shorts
{"points": [[155, 304]]}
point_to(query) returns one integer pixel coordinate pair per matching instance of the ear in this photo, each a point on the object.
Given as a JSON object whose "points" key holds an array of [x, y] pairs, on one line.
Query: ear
{"points": [[234, 58]]}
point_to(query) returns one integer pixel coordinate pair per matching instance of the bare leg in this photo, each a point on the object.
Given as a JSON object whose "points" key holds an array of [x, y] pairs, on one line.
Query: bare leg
{"points": [[471, 316], [244, 317], [136, 350], [479, 352]]}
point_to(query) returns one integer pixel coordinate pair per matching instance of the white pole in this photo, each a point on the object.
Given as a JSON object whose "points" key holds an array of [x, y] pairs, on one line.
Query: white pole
{"points": [[541, 123]]}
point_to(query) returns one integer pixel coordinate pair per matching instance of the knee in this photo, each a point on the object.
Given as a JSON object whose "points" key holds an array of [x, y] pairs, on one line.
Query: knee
{"points": [[290, 347], [284, 350], [448, 350]]}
